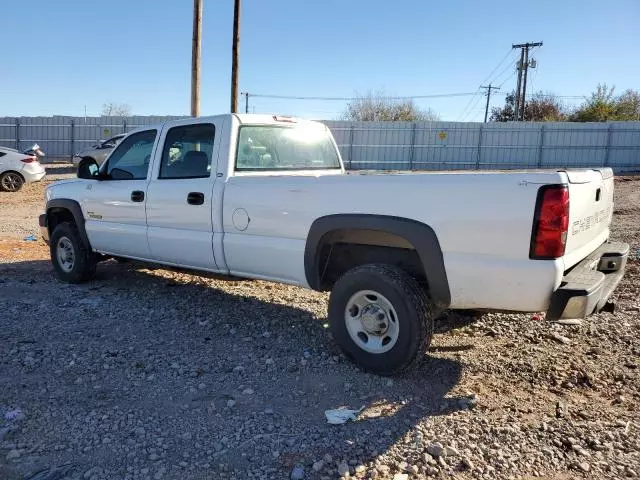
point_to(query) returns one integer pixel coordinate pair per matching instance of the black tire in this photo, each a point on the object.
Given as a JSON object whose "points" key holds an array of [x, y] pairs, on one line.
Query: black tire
{"points": [[83, 265], [414, 310], [11, 182]]}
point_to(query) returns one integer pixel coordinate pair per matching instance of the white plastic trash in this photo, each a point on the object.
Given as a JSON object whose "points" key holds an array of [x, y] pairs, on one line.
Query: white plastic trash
{"points": [[339, 416]]}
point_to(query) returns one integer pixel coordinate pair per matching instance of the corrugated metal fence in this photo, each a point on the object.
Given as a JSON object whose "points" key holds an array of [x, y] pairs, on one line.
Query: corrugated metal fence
{"points": [[454, 146], [61, 137], [392, 145]]}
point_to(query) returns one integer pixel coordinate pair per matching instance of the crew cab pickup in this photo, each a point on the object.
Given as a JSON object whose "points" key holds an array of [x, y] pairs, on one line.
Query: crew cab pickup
{"points": [[267, 197]]}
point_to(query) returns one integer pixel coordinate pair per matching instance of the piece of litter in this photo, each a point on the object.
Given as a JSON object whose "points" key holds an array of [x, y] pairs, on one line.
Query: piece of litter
{"points": [[297, 473], [14, 415], [559, 338], [339, 416], [30, 238], [570, 321]]}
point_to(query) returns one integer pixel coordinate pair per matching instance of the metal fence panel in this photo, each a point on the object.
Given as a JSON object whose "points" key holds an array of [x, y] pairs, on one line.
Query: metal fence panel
{"points": [[389, 145]]}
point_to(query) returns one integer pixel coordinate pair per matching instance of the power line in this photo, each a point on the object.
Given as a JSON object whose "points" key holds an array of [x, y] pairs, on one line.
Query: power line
{"points": [[343, 99], [464, 110], [505, 69], [473, 106], [498, 66], [508, 78]]}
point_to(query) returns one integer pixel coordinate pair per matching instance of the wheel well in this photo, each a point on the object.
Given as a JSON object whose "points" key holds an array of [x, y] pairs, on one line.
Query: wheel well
{"points": [[343, 249], [58, 215]]}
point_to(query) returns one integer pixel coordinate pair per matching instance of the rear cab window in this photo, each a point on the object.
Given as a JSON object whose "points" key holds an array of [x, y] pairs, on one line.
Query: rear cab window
{"points": [[275, 147]]}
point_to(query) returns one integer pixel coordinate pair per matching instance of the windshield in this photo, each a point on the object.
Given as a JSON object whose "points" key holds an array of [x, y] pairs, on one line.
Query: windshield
{"points": [[270, 147]]}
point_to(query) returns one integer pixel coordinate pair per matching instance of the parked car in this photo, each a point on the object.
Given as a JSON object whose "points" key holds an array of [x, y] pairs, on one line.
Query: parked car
{"points": [[98, 152], [267, 197], [18, 168]]}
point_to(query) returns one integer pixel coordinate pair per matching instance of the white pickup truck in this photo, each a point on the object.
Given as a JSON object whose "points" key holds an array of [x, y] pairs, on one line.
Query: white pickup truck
{"points": [[267, 197]]}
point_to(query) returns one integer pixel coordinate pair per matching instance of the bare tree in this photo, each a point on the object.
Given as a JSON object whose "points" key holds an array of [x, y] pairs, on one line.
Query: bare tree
{"points": [[541, 107], [380, 108], [113, 109]]}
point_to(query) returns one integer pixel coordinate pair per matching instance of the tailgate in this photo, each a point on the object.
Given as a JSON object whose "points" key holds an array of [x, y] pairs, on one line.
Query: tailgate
{"points": [[590, 212]]}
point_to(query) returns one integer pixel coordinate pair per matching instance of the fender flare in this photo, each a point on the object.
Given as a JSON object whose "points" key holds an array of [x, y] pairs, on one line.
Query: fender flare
{"points": [[420, 235], [73, 207]]}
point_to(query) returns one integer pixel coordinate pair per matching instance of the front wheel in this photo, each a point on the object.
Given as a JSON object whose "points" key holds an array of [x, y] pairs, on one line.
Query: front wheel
{"points": [[381, 318], [72, 262]]}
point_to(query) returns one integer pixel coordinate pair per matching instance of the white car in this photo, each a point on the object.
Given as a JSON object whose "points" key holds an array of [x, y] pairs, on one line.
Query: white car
{"points": [[267, 197], [17, 168]]}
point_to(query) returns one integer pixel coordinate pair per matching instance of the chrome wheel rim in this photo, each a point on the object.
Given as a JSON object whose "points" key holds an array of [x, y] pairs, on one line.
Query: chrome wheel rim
{"points": [[371, 321], [11, 182], [66, 254]]}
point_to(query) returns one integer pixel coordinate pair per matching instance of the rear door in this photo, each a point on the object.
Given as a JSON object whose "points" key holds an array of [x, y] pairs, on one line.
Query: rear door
{"points": [[590, 212], [180, 199]]}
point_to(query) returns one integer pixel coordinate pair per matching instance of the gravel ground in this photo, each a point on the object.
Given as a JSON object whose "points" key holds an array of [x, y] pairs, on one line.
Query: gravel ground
{"points": [[154, 374]]}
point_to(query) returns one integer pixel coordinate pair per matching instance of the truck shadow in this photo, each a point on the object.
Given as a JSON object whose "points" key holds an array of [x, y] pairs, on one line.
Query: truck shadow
{"points": [[227, 336]]}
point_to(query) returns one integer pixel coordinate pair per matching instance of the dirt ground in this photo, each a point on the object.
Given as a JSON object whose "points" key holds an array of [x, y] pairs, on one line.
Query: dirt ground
{"points": [[152, 373]]}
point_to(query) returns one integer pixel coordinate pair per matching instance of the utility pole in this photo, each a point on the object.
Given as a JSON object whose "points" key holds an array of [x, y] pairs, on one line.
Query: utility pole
{"points": [[523, 66], [486, 108], [524, 83], [195, 58], [246, 101], [517, 107], [235, 54]]}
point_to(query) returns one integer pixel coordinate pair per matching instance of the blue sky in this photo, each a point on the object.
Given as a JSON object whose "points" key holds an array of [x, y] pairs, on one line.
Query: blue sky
{"points": [[139, 52]]}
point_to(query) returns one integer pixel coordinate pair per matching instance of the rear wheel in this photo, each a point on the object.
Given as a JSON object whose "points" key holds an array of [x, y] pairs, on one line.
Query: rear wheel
{"points": [[11, 182], [72, 262], [381, 318]]}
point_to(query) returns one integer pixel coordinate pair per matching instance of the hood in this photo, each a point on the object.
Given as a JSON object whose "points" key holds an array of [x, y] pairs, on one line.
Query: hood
{"points": [[70, 189]]}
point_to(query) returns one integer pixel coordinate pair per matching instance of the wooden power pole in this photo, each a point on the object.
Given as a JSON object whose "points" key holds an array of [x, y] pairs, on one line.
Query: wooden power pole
{"points": [[195, 58], [523, 66], [486, 108], [235, 55]]}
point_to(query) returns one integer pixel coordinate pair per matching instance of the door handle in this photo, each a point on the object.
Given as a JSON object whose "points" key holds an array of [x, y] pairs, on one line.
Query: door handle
{"points": [[137, 196], [195, 198]]}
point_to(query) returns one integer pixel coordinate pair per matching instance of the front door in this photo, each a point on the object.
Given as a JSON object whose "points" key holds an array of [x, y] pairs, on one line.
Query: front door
{"points": [[114, 207], [180, 196]]}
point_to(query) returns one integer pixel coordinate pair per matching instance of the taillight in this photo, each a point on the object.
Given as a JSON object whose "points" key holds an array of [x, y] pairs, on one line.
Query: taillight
{"points": [[551, 223], [29, 160]]}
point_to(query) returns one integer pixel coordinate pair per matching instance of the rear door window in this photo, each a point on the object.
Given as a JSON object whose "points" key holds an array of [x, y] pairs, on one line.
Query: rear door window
{"points": [[187, 152]]}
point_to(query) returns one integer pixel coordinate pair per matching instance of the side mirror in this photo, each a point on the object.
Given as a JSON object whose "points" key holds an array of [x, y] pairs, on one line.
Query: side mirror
{"points": [[88, 170]]}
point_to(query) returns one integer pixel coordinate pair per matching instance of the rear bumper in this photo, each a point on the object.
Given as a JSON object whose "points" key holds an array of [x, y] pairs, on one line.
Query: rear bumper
{"points": [[33, 172], [588, 286], [44, 228]]}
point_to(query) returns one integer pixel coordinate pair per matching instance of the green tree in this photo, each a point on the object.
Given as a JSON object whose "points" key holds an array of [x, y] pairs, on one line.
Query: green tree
{"points": [[379, 108], [628, 106], [601, 107]]}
